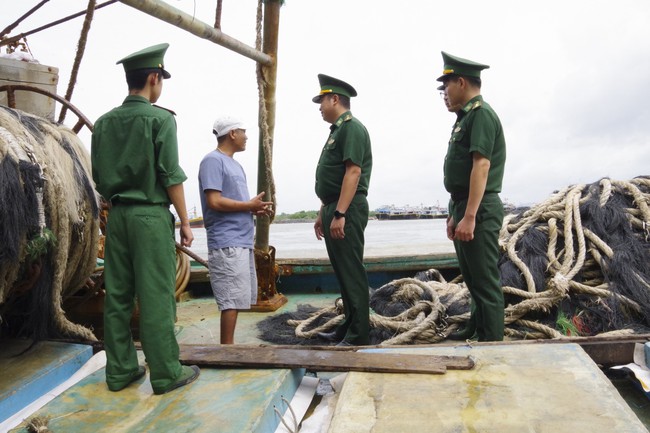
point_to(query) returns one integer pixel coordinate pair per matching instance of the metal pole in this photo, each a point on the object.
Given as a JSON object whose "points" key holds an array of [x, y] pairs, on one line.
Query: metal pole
{"points": [[180, 19], [270, 47]]}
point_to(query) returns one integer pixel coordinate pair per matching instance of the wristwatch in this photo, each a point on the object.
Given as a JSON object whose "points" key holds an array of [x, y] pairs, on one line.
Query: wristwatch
{"points": [[338, 214]]}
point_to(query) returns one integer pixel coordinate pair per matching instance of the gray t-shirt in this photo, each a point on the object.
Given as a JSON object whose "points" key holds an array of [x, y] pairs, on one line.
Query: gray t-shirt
{"points": [[220, 172]]}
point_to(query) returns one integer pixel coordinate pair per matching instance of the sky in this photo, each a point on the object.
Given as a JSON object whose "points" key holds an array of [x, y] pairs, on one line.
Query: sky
{"points": [[568, 79]]}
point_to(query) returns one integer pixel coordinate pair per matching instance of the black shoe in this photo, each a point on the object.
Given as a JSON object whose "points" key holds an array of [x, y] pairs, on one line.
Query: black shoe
{"points": [[328, 336], [463, 334], [188, 375], [344, 344], [136, 376]]}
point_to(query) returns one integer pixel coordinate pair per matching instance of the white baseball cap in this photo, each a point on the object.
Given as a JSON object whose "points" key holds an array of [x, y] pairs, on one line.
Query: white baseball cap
{"points": [[225, 124]]}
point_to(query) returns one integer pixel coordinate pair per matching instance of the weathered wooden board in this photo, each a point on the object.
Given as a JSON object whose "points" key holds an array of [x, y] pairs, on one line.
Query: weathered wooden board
{"points": [[320, 360]]}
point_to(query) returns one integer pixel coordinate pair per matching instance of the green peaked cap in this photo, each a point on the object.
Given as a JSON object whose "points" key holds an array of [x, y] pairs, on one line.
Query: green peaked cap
{"points": [[459, 66], [147, 58], [333, 85]]}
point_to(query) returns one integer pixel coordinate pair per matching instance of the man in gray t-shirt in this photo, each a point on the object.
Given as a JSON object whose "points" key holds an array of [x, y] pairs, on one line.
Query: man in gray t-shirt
{"points": [[228, 219]]}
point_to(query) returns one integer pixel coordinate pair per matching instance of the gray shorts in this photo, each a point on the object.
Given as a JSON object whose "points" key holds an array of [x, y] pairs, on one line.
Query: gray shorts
{"points": [[233, 277]]}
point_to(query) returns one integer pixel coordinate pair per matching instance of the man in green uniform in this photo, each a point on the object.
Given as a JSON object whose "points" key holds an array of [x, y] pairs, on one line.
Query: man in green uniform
{"points": [[473, 172], [342, 179], [135, 167]]}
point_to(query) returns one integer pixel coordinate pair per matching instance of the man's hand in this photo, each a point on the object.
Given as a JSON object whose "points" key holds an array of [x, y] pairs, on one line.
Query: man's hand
{"points": [[450, 228], [465, 229], [318, 227], [259, 207], [187, 237], [337, 228]]}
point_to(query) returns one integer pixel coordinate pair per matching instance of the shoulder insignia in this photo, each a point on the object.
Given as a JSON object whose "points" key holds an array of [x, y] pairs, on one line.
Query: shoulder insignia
{"points": [[347, 118], [330, 141], [476, 105], [166, 109]]}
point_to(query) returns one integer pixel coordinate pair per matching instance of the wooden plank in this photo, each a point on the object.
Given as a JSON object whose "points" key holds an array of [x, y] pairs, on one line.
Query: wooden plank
{"points": [[240, 356], [605, 351], [607, 354]]}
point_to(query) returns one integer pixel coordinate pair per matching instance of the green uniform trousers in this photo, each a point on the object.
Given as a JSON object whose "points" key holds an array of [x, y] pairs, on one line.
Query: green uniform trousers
{"points": [[346, 256], [140, 261], [478, 260]]}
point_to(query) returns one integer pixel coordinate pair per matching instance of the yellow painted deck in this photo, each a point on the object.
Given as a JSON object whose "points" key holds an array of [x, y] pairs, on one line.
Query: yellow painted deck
{"points": [[513, 389]]}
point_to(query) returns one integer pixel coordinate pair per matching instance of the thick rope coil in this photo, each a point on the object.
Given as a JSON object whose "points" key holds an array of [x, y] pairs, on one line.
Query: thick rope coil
{"points": [[582, 270], [47, 184]]}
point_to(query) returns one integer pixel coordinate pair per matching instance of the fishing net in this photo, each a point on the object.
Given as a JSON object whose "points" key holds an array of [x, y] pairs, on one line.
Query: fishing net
{"points": [[49, 225], [574, 265]]}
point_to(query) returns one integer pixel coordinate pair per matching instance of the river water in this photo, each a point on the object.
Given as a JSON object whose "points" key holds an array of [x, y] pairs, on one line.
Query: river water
{"points": [[383, 238]]}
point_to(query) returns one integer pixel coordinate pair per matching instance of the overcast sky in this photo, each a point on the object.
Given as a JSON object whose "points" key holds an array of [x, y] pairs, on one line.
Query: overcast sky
{"points": [[569, 80]]}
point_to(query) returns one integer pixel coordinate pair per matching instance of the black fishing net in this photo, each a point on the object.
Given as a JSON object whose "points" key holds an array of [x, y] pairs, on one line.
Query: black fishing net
{"points": [[596, 283]]}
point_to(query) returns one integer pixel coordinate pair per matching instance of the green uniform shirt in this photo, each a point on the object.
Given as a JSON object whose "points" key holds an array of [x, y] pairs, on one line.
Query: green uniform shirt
{"points": [[348, 141], [477, 129], [134, 153]]}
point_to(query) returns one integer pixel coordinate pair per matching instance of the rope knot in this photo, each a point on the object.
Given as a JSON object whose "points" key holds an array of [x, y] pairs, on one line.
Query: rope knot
{"points": [[559, 285]]}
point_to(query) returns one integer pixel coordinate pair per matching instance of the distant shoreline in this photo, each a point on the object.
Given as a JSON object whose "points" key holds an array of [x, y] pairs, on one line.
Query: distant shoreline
{"points": [[294, 220]]}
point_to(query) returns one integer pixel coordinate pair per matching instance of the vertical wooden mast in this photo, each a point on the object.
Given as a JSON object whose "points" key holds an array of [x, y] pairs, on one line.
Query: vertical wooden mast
{"points": [[269, 73], [268, 299]]}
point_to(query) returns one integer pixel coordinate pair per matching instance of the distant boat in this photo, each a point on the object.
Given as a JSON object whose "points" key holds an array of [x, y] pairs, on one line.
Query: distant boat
{"points": [[432, 212], [394, 213], [196, 220], [407, 213]]}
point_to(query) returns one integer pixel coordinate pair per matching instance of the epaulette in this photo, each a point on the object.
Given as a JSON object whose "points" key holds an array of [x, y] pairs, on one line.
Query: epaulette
{"points": [[166, 109], [472, 106], [345, 118]]}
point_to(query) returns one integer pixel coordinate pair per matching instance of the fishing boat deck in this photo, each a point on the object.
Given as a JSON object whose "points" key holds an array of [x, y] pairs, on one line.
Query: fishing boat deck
{"points": [[198, 319], [227, 400], [515, 387]]}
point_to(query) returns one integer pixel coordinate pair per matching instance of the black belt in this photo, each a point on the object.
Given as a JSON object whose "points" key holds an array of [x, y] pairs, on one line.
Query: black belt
{"points": [[118, 202], [458, 196], [335, 197]]}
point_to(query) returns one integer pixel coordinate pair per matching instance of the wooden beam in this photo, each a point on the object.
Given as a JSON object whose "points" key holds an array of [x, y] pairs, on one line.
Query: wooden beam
{"points": [[180, 19], [605, 351], [322, 359]]}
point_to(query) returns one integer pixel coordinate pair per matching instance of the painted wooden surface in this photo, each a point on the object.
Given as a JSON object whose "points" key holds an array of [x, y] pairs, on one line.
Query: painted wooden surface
{"points": [[512, 389], [317, 275], [227, 401], [24, 377]]}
